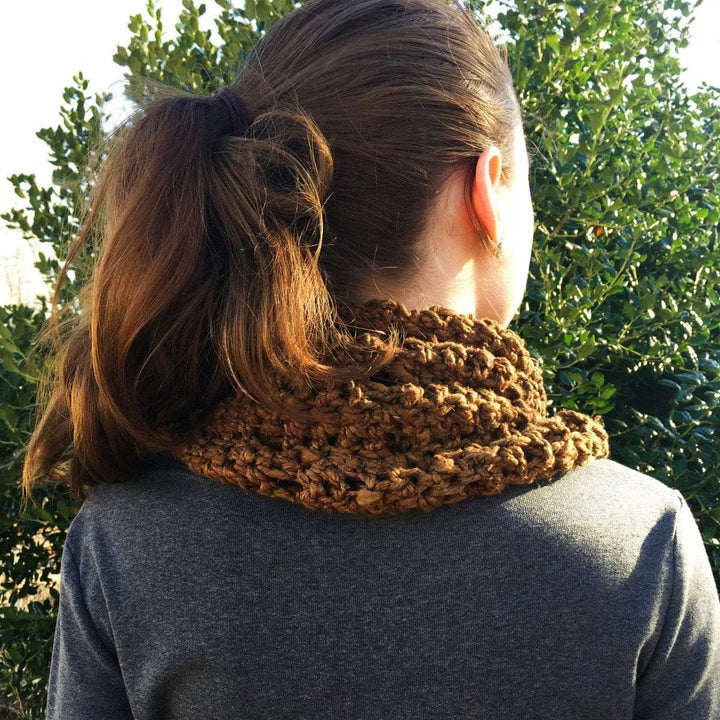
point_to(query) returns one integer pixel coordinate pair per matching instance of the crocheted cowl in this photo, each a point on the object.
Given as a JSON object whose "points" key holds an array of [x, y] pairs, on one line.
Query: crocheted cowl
{"points": [[460, 411]]}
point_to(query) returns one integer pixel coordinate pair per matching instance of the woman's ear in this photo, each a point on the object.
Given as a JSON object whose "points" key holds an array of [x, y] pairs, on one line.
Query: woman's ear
{"points": [[488, 172]]}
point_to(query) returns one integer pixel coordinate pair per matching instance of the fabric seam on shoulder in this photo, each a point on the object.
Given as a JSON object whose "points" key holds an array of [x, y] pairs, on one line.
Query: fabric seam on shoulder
{"points": [[680, 499], [81, 590]]}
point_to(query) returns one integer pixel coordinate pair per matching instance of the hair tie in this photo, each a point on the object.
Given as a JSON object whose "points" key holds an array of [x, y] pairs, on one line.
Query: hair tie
{"points": [[237, 120]]}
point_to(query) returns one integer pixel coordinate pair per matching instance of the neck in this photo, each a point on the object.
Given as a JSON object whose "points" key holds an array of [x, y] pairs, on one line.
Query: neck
{"points": [[448, 281], [449, 275]]}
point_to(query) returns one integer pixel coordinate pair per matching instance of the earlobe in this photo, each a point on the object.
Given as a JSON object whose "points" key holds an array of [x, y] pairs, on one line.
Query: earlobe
{"points": [[488, 172]]}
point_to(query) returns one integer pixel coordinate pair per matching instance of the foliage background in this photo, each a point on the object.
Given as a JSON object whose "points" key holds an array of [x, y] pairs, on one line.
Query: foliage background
{"points": [[622, 303]]}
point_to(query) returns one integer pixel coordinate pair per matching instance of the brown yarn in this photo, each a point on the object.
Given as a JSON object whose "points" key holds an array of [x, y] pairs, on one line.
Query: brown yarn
{"points": [[460, 411]]}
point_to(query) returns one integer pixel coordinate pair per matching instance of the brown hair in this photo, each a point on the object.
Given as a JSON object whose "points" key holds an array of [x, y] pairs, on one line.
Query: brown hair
{"points": [[223, 260]]}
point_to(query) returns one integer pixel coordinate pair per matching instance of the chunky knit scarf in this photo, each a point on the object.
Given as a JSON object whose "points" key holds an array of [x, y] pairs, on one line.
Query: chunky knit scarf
{"points": [[460, 411]]}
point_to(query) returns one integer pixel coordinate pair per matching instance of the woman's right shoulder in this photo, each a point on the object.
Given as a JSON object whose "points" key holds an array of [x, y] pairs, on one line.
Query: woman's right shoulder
{"points": [[610, 475], [614, 522], [605, 490], [650, 543]]}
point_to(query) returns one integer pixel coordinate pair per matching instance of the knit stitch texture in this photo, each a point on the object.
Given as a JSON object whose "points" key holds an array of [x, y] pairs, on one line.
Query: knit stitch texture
{"points": [[460, 411]]}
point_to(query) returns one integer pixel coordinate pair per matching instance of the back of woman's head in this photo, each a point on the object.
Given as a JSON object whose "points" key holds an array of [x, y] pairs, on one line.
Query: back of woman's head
{"points": [[223, 258]]}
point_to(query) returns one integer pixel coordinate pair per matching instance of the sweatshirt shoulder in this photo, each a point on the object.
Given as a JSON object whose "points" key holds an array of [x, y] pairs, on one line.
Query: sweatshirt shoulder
{"points": [[626, 485], [610, 474], [167, 494], [605, 488], [601, 508]]}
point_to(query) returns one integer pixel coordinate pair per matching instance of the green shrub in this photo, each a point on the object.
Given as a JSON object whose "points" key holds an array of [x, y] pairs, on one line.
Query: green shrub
{"points": [[622, 304]]}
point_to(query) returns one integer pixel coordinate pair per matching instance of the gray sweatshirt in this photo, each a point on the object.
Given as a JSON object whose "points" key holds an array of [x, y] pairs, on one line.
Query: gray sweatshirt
{"points": [[589, 598]]}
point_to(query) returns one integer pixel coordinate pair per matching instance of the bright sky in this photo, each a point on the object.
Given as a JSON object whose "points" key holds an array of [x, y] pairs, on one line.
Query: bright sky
{"points": [[46, 42]]}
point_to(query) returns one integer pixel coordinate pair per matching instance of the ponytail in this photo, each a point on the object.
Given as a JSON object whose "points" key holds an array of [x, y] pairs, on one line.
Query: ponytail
{"points": [[207, 283]]}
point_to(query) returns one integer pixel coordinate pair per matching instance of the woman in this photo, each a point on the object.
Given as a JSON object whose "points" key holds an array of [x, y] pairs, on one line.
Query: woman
{"points": [[321, 477]]}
